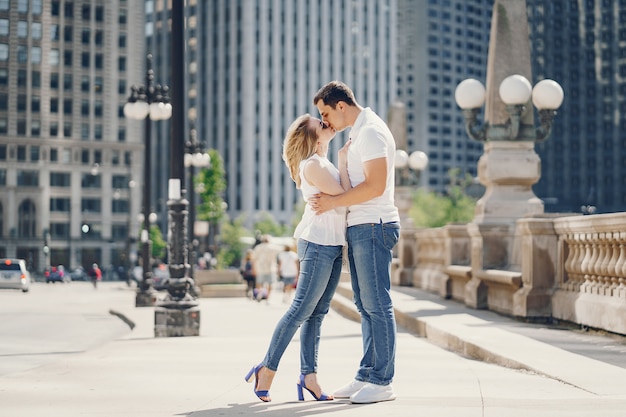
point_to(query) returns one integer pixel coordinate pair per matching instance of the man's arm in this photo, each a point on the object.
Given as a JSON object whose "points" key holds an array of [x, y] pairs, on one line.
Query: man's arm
{"points": [[373, 186]]}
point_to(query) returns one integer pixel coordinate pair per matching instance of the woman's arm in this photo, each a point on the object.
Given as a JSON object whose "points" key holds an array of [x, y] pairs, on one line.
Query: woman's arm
{"points": [[321, 178]]}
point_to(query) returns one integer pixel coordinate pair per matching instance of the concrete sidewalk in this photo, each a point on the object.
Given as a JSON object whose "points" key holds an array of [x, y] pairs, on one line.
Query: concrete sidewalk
{"points": [[203, 376]]}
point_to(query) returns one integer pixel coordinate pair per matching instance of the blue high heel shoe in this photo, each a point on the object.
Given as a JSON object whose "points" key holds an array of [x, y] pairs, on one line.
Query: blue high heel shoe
{"points": [[301, 385], [263, 395]]}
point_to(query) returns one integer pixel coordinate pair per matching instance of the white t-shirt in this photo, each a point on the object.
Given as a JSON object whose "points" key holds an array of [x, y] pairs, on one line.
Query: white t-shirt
{"points": [[328, 228], [372, 139], [288, 264]]}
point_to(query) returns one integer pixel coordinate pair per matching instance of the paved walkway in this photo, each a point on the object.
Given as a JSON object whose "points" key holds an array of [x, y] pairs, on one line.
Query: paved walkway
{"points": [[139, 375]]}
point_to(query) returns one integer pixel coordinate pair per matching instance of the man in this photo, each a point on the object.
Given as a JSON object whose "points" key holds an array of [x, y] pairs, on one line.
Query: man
{"points": [[373, 230], [264, 262]]}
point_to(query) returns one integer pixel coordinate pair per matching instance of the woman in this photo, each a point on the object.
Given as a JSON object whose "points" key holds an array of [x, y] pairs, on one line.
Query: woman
{"points": [[248, 271], [320, 242]]}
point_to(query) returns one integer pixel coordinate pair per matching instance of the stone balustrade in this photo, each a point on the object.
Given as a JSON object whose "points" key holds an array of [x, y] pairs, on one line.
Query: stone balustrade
{"points": [[570, 268]]}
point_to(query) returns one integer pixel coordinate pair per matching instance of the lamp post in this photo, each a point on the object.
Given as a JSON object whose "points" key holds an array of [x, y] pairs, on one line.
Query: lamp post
{"points": [[509, 165], [148, 102], [195, 157], [407, 175], [178, 313]]}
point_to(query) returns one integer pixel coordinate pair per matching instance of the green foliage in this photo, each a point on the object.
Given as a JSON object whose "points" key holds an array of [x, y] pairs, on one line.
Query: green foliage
{"points": [[211, 183], [267, 225], [231, 247], [159, 245], [431, 209]]}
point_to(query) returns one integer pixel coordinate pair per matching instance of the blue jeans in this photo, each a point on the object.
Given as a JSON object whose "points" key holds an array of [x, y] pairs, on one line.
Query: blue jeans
{"points": [[320, 270], [369, 253]]}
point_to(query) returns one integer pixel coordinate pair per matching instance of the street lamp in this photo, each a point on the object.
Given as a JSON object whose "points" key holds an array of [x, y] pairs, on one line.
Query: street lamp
{"points": [[515, 92], [147, 102], [409, 167], [195, 157]]}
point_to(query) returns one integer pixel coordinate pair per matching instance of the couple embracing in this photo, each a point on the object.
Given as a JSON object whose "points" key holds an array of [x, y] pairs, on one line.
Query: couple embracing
{"points": [[362, 185]]}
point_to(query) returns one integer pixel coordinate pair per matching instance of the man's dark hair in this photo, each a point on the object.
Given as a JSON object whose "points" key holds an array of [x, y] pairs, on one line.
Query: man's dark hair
{"points": [[334, 92]]}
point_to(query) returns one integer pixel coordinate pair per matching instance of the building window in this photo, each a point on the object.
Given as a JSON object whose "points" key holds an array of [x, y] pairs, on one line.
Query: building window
{"points": [[60, 204], [35, 79], [53, 57], [4, 100], [54, 80], [99, 13], [86, 36], [54, 155], [67, 129], [22, 54], [84, 108], [28, 178], [21, 103], [84, 60], [120, 181], [35, 55], [35, 104], [67, 58], [98, 132], [91, 181], [27, 223], [69, 9], [4, 52], [4, 76], [59, 230], [35, 30], [35, 128], [68, 33], [54, 129], [55, 33], [90, 205], [22, 77], [120, 206], [67, 106], [84, 131], [34, 153], [60, 179], [4, 27], [54, 105]]}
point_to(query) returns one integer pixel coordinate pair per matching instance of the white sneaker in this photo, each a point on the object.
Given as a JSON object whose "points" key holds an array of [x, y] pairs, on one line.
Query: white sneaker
{"points": [[372, 393], [348, 390]]}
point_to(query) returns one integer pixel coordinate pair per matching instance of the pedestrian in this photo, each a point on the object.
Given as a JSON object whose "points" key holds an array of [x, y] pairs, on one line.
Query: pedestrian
{"points": [[320, 241], [96, 274], [373, 228], [288, 269], [264, 260], [248, 272]]}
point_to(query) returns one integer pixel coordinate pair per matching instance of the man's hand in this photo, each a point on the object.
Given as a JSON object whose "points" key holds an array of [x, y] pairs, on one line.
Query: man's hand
{"points": [[321, 203]]}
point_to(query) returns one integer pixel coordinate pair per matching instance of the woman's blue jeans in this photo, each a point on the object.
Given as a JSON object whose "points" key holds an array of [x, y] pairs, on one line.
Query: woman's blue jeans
{"points": [[369, 253], [320, 270]]}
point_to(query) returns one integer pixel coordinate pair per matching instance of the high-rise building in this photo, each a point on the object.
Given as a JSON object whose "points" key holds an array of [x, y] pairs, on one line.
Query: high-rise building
{"points": [[440, 43], [68, 157], [582, 45], [255, 65]]}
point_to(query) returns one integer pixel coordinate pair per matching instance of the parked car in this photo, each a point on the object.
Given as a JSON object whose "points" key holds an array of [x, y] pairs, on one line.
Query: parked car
{"points": [[13, 274], [79, 274], [56, 274]]}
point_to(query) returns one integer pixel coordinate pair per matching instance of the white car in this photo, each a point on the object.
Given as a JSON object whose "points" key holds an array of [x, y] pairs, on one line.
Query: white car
{"points": [[14, 275]]}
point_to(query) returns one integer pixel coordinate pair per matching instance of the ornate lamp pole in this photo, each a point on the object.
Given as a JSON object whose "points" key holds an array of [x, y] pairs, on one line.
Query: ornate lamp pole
{"points": [[509, 165], [147, 102], [178, 314], [195, 157]]}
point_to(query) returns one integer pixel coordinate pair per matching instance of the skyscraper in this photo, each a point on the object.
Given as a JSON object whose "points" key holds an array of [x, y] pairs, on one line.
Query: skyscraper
{"points": [[259, 63], [580, 44], [440, 43], [68, 157]]}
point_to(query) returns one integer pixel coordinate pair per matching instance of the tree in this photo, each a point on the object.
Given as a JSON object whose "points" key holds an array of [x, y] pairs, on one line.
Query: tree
{"points": [[231, 245], [431, 209], [267, 225], [211, 182], [158, 243]]}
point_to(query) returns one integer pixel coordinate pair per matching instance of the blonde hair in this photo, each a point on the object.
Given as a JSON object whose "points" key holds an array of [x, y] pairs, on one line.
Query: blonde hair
{"points": [[299, 144]]}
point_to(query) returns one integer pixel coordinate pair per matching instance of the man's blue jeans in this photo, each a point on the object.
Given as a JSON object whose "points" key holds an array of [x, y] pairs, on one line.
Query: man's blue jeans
{"points": [[369, 253], [320, 270]]}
